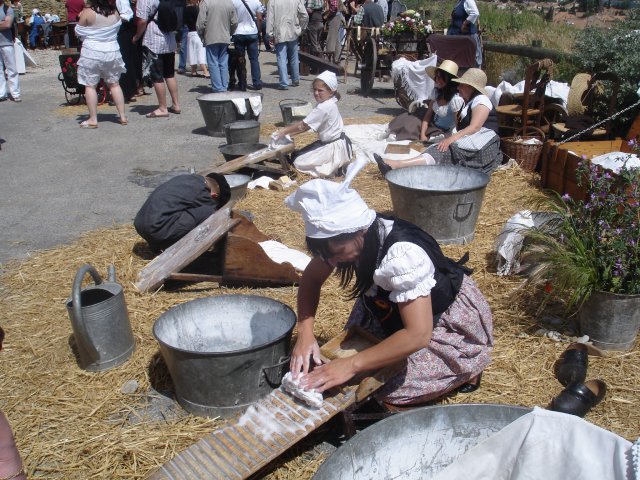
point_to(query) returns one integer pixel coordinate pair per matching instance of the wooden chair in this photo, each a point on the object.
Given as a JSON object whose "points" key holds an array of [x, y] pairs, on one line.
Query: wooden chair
{"points": [[530, 107], [586, 94]]}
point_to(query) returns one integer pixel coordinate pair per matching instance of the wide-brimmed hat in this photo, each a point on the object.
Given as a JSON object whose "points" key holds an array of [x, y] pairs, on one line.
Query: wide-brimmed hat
{"points": [[579, 86], [448, 66], [475, 78]]}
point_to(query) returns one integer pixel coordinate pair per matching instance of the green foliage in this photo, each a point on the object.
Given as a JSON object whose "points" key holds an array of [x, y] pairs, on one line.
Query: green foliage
{"points": [[592, 244], [615, 50]]}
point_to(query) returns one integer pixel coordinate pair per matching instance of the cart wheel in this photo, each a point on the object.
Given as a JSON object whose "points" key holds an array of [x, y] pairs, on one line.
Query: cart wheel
{"points": [[368, 70]]}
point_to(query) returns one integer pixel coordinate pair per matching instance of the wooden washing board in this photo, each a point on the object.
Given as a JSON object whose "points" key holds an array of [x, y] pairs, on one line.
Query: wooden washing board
{"points": [[246, 444], [259, 160]]}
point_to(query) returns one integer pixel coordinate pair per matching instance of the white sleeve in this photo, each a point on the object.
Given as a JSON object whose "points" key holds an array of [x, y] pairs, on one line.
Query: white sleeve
{"points": [[406, 271], [454, 105], [315, 119], [124, 9], [472, 11]]}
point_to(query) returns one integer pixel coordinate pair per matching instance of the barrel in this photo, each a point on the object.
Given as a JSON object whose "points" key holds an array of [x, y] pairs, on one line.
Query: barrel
{"points": [[443, 200]]}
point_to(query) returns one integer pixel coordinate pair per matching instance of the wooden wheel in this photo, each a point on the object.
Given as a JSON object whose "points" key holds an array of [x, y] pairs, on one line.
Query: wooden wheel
{"points": [[369, 63]]}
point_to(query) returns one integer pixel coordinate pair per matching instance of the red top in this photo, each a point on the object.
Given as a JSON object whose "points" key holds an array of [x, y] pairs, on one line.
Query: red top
{"points": [[74, 7]]}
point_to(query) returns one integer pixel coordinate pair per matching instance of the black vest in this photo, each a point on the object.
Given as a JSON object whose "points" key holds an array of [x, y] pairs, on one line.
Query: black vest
{"points": [[448, 276]]}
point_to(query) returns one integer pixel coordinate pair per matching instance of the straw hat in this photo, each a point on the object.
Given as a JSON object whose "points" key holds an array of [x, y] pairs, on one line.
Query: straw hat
{"points": [[578, 88], [448, 66], [475, 78]]}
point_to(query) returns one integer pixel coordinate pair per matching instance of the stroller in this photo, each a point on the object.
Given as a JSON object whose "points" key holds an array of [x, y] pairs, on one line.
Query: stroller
{"points": [[68, 76]]}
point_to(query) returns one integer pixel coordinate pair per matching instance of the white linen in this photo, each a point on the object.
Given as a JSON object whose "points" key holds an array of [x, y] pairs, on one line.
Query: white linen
{"points": [[554, 90], [415, 81], [614, 161], [406, 271], [509, 242], [548, 445], [196, 53], [18, 50], [325, 120], [241, 106], [280, 253]]}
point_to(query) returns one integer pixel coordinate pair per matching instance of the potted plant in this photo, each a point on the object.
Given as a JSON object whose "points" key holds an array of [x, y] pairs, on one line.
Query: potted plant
{"points": [[588, 253]]}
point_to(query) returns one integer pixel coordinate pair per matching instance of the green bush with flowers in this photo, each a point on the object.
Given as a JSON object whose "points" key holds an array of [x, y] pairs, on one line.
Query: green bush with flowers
{"points": [[593, 244], [409, 22]]}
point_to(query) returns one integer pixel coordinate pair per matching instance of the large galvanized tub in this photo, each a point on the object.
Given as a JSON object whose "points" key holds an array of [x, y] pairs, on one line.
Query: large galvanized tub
{"points": [[417, 444], [219, 109], [443, 200], [225, 353]]}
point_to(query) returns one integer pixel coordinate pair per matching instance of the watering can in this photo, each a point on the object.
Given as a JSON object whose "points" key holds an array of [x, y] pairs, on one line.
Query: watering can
{"points": [[100, 321]]}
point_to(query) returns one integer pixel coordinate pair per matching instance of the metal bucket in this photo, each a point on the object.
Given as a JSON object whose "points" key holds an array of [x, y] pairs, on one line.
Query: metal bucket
{"points": [[238, 184], [611, 320], [416, 444], [225, 353], [443, 200], [229, 152], [100, 321], [242, 131], [219, 109], [292, 110]]}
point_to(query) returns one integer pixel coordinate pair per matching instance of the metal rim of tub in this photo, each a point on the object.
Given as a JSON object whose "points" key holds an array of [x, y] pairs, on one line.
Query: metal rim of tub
{"points": [[482, 177]]}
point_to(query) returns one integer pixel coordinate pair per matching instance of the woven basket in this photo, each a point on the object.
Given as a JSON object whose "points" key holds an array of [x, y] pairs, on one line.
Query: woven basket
{"points": [[527, 156]]}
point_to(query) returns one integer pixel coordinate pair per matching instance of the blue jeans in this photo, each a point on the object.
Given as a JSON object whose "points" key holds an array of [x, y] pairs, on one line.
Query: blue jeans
{"points": [[218, 62], [287, 55], [182, 60], [250, 44]]}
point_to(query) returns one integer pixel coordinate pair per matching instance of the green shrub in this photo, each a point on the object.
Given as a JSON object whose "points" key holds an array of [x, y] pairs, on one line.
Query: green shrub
{"points": [[615, 50]]}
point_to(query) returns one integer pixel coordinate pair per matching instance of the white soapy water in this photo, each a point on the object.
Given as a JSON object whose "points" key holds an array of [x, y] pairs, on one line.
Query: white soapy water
{"points": [[310, 397]]}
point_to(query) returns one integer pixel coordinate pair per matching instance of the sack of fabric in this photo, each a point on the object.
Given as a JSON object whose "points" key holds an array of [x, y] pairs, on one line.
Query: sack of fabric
{"points": [[169, 15]]}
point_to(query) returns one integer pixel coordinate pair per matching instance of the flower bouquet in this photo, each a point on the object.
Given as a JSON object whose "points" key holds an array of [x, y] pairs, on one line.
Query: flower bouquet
{"points": [[409, 22]]}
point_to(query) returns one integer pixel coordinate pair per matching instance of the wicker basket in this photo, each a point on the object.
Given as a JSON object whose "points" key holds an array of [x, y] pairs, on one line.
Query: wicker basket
{"points": [[527, 156]]}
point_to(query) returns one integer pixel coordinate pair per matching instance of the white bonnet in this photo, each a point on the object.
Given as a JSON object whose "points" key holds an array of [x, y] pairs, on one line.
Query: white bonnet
{"points": [[330, 208], [330, 79]]}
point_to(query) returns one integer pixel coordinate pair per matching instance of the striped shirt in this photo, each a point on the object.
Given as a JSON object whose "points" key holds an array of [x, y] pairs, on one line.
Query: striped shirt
{"points": [[154, 39]]}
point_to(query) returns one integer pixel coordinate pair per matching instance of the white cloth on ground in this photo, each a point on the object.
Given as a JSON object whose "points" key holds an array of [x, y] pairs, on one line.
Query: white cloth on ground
{"points": [[549, 445], [415, 81], [280, 253], [615, 160], [554, 90], [509, 242]]}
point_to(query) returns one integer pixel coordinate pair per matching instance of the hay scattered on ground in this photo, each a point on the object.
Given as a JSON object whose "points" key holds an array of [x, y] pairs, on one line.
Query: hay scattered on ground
{"points": [[72, 424]]}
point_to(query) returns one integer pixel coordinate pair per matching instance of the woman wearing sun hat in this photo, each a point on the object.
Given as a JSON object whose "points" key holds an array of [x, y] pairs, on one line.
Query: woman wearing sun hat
{"points": [[439, 117], [471, 144], [332, 150], [423, 306]]}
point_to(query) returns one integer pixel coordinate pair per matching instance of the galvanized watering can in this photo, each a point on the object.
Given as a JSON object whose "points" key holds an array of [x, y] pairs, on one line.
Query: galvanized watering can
{"points": [[100, 321]]}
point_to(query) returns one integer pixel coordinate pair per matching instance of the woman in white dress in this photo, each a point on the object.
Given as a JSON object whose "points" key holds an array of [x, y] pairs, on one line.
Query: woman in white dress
{"points": [[326, 156], [100, 57], [196, 53]]}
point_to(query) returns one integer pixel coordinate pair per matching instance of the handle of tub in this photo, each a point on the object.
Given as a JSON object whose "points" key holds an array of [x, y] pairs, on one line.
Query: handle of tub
{"points": [[463, 204], [267, 374], [77, 307]]}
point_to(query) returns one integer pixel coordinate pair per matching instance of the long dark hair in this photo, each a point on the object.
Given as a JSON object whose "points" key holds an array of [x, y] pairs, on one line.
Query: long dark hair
{"points": [[362, 270], [103, 7], [450, 88]]}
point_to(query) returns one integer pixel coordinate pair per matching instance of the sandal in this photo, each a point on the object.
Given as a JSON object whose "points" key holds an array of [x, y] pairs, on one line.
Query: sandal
{"points": [[571, 367], [579, 398], [88, 125], [171, 109]]}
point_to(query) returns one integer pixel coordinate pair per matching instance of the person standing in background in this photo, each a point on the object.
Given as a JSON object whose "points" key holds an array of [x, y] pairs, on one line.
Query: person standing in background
{"points": [[333, 19], [464, 21], [196, 54], [158, 58], [128, 49], [217, 21], [8, 57], [247, 39], [315, 9], [74, 7], [373, 15], [286, 20]]}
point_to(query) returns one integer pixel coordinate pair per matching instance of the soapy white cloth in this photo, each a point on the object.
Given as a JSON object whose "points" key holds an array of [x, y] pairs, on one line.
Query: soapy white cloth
{"points": [[417, 84], [275, 143], [310, 397], [509, 243], [554, 90], [280, 253], [262, 182], [615, 160], [241, 105], [367, 139], [549, 445]]}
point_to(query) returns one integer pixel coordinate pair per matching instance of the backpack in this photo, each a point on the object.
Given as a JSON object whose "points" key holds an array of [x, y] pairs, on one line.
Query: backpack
{"points": [[169, 15]]}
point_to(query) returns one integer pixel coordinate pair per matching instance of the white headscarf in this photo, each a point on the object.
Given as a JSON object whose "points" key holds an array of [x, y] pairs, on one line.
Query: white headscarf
{"points": [[330, 208], [330, 79]]}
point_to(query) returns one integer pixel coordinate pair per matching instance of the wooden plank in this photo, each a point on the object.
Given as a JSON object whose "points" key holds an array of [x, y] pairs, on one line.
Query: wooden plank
{"points": [[247, 160], [185, 250], [319, 63]]}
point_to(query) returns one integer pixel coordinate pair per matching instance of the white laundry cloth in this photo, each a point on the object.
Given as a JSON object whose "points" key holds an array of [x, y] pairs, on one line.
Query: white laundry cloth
{"points": [[554, 90], [367, 139], [280, 253], [549, 445], [615, 160], [417, 84], [255, 102], [509, 242], [18, 51], [262, 182]]}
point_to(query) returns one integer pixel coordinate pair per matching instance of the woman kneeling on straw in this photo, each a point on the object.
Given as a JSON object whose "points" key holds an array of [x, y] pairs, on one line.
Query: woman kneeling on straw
{"points": [[423, 305]]}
